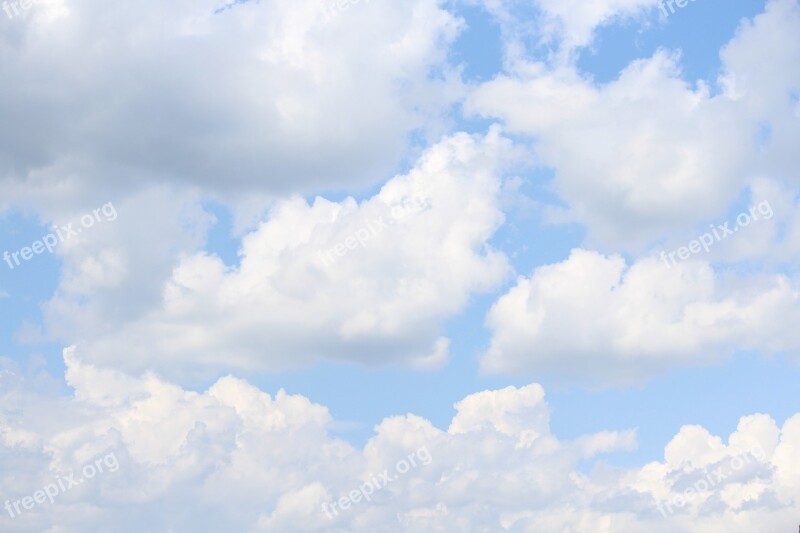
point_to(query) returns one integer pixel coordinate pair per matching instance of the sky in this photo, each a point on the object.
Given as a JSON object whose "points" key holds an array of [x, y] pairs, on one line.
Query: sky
{"points": [[418, 265]]}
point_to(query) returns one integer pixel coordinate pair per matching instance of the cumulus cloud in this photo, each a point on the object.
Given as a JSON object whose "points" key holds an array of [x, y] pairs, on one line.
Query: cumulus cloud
{"points": [[650, 153], [596, 319], [368, 282], [265, 96], [236, 458], [259, 103], [633, 159]]}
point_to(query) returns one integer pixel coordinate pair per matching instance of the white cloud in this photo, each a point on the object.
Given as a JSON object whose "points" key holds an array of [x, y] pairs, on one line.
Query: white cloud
{"points": [[648, 153], [633, 159], [267, 96], [276, 98], [116, 272], [235, 458], [595, 319], [294, 298], [769, 91]]}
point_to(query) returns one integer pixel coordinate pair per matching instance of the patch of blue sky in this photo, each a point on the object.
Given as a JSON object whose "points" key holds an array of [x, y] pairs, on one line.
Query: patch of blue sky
{"points": [[699, 31], [479, 48], [715, 397], [23, 290], [220, 239]]}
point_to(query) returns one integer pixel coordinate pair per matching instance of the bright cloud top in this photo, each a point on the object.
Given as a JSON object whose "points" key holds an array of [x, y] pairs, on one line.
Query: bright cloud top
{"points": [[369, 281], [595, 319], [236, 458]]}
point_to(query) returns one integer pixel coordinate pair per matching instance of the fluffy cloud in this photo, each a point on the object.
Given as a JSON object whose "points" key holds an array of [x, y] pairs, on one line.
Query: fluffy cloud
{"points": [[370, 281], [769, 91], [235, 458], [269, 96], [635, 158], [648, 153], [595, 319]]}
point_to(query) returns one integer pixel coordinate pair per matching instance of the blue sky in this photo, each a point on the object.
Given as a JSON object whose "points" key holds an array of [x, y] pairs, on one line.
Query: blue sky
{"points": [[560, 147]]}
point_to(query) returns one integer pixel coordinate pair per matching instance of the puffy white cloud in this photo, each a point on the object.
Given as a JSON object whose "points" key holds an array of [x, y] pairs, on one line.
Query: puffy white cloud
{"points": [[370, 282], [278, 97], [634, 158], [235, 458], [648, 153], [120, 264], [598, 320]]}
